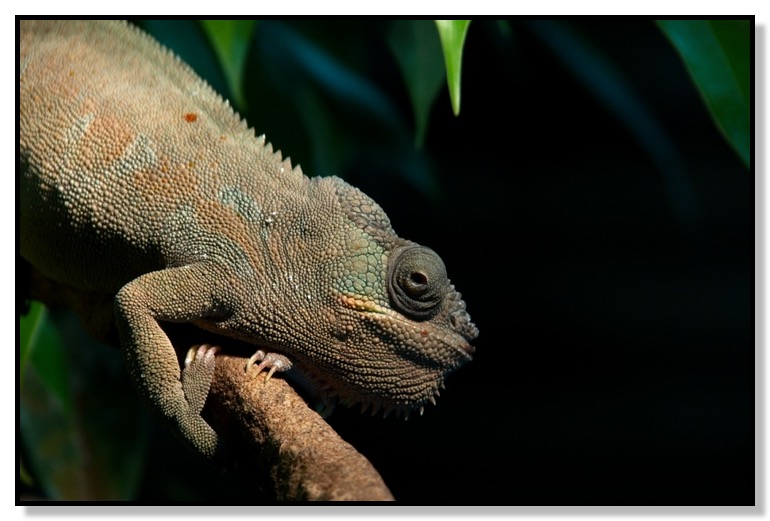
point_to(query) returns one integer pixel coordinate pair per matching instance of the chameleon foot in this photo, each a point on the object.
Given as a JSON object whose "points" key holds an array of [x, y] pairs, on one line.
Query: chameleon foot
{"points": [[272, 361], [199, 352], [199, 365]]}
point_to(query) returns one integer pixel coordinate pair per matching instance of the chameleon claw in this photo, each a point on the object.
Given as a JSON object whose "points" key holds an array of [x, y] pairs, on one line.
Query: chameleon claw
{"points": [[190, 355], [271, 361], [199, 351], [256, 357], [260, 367], [270, 373], [264, 364]]}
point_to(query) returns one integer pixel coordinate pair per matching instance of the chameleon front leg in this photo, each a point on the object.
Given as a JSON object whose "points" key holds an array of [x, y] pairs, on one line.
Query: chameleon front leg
{"points": [[180, 294]]}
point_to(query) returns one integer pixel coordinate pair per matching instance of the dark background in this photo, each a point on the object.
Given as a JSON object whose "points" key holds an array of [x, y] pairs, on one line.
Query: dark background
{"points": [[615, 361], [608, 264]]}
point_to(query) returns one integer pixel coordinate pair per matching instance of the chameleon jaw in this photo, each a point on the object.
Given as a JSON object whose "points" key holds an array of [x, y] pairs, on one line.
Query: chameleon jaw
{"points": [[327, 391], [326, 396], [324, 393]]}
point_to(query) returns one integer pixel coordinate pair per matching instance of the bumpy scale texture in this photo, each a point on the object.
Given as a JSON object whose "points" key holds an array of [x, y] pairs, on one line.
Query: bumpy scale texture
{"points": [[139, 184]]}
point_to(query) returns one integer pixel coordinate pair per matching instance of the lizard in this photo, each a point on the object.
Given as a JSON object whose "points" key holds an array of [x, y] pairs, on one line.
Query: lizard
{"points": [[146, 199]]}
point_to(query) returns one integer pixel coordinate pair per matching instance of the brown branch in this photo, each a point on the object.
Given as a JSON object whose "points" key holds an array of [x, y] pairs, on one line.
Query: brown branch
{"points": [[277, 434]]}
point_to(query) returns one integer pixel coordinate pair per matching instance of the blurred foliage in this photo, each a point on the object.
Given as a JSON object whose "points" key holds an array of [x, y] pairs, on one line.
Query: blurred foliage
{"points": [[83, 428], [717, 54], [41, 347], [417, 50], [29, 329], [230, 40], [605, 80], [331, 93]]}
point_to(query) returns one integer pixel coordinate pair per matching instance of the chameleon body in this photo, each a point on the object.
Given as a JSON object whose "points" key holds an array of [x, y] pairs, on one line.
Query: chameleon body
{"points": [[140, 187]]}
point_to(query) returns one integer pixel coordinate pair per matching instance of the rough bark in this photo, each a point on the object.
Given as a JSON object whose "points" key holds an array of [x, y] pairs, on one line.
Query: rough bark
{"points": [[276, 434]]}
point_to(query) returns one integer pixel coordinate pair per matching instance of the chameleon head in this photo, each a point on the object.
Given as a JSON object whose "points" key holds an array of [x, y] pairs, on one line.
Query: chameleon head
{"points": [[396, 326]]}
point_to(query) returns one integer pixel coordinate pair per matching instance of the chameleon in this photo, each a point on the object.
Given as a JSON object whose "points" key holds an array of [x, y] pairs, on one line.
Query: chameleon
{"points": [[146, 199]]}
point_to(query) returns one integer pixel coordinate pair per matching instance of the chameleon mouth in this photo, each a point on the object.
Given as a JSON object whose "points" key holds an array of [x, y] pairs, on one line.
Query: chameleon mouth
{"points": [[360, 304], [467, 350]]}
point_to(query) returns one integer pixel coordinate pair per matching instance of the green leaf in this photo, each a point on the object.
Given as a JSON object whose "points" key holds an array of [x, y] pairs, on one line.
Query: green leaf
{"points": [[418, 54], [717, 54], [29, 331], [24, 475], [452, 34], [230, 39]]}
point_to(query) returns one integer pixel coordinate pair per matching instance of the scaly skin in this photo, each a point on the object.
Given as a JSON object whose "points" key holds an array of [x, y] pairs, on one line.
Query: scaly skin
{"points": [[141, 185]]}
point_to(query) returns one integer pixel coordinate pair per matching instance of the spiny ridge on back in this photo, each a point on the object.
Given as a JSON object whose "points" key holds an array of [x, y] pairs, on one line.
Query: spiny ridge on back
{"points": [[208, 90]]}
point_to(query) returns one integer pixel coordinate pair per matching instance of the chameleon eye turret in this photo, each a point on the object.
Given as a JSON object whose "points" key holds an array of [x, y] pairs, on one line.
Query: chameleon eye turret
{"points": [[417, 282]]}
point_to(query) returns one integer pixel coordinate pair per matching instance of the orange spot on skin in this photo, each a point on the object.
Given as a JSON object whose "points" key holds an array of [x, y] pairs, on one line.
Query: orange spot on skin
{"points": [[191, 117]]}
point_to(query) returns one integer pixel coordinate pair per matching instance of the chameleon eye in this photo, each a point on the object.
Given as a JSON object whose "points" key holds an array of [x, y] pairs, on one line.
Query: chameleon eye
{"points": [[417, 281], [416, 284]]}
